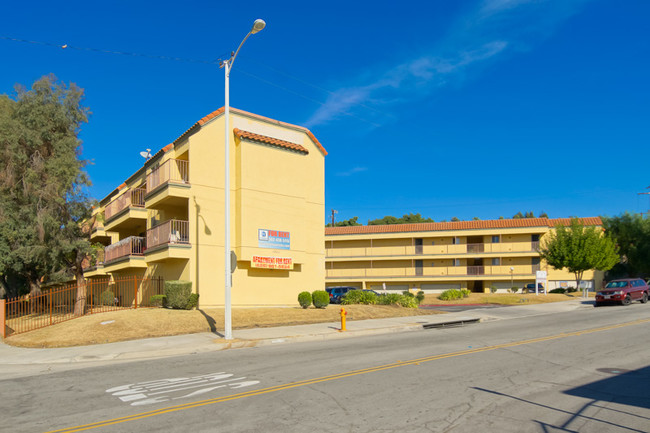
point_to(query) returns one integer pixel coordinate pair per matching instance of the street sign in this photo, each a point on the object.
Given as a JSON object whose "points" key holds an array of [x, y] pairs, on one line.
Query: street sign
{"points": [[233, 261]]}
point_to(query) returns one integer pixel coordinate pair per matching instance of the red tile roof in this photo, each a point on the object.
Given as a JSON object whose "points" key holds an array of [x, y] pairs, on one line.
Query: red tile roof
{"points": [[457, 225], [270, 140], [220, 111]]}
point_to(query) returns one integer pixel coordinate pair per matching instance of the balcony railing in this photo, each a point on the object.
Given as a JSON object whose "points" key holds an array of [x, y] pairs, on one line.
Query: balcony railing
{"points": [[433, 272], [169, 232], [406, 250], [131, 246], [172, 170], [133, 197]]}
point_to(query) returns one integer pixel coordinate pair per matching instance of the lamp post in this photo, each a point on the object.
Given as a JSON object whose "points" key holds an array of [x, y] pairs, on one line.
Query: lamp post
{"points": [[227, 66], [512, 277]]}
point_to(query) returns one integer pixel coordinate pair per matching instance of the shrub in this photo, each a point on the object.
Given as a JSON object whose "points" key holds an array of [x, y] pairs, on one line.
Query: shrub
{"points": [[408, 301], [178, 293], [465, 293], [493, 289], [514, 289], [571, 289], [450, 295], [107, 298], [389, 299], [304, 299], [158, 301], [558, 290], [408, 293], [320, 298], [193, 301], [420, 297], [352, 297]]}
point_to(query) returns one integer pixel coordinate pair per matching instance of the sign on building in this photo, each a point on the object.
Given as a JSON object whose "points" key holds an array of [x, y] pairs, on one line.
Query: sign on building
{"points": [[271, 262], [275, 239]]}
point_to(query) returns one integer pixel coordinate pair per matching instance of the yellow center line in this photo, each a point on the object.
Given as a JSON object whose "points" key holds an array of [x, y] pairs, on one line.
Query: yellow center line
{"points": [[344, 375]]}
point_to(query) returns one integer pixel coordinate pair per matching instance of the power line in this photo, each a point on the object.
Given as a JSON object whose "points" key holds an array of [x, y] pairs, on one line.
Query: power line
{"points": [[205, 62]]}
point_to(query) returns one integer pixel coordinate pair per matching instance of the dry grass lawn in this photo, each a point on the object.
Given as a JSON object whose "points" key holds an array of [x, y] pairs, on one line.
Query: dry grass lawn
{"points": [[158, 322]]}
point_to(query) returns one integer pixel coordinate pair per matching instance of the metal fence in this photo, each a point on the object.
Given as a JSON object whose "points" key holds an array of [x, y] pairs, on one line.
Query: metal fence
{"points": [[56, 305]]}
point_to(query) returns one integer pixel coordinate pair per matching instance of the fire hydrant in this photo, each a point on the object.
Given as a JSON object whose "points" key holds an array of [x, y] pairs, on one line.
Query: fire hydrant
{"points": [[343, 314]]}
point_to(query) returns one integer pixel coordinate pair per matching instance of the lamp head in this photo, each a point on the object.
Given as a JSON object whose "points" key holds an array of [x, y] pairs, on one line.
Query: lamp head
{"points": [[258, 25]]}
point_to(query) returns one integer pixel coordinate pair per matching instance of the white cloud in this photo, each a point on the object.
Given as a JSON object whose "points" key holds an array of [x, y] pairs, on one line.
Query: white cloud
{"points": [[352, 171], [483, 35]]}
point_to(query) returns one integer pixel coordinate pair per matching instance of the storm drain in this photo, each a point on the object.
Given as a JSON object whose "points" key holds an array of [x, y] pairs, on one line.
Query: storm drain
{"points": [[453, 324]]}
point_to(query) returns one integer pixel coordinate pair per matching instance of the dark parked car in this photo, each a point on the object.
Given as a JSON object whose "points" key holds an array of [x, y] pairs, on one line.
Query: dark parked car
{"points": [[337, 292], [623, 291], [530, 288]]}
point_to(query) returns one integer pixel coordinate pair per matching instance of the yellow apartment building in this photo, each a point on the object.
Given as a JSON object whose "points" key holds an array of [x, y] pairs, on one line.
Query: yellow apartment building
{"points": [[167, 219], [433, 257]]}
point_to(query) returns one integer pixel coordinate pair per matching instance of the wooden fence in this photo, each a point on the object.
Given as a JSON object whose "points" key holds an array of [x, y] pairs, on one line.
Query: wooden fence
{"points": [[55, 305]]}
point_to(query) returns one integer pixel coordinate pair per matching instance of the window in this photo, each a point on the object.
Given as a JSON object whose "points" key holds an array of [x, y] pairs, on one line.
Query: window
{"points": [[534, 238], [455, 240], [496, 261], [496, 239], [535, 260], [456, 262]]}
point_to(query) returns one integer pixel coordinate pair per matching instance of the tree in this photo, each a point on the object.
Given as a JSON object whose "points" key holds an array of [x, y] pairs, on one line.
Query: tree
{"points": [[631, 232], [351, 222], [476, 219], [42, 200], [543, 215], [579, 248], [455, 219], [406, 219], [518, 215]]}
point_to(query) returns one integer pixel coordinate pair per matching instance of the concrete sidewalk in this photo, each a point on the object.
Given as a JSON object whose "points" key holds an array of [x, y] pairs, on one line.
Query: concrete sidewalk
{"points": [[12, 358]]}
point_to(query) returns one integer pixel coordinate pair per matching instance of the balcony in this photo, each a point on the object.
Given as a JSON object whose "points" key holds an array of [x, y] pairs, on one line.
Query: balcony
{"points": [[527, 248], [168, 184], [126, 212], [434, 273], [127, 253], [169, 240]]}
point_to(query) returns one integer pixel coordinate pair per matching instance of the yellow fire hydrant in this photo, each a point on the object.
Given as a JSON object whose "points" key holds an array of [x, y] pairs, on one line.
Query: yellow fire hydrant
{"points": [[343, 314]]}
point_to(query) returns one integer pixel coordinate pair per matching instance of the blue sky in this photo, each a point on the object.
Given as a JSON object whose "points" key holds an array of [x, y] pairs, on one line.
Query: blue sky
{"points": [[467, 108]]}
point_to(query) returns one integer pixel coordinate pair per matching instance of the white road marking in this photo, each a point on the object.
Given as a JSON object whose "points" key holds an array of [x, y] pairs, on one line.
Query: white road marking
{"points": [[149, 392]]}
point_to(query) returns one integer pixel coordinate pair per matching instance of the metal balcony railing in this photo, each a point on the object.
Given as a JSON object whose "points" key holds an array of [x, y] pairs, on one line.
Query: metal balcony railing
{"points": [[133, 197], [131, 246], [475, 248], [172, 170], [169, 232]]}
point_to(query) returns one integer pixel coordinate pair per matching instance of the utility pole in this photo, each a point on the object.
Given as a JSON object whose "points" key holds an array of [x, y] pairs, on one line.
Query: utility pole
{"points": [[645, 193], [334, 212]]}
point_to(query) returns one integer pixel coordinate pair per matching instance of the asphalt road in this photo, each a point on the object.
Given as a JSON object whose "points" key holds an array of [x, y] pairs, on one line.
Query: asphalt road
{"points": [[583, 371]]}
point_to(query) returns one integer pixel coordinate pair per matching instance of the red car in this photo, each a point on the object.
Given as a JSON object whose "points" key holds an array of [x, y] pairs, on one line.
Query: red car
{"points": [[623, 291]]}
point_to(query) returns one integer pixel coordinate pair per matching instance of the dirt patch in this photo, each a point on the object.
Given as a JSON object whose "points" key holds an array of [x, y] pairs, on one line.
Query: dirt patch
{"points": [[126, 325], [503, 299]]}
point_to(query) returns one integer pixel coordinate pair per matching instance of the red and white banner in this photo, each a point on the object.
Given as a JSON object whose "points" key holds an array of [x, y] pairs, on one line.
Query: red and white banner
{"points": [[272, 262]]}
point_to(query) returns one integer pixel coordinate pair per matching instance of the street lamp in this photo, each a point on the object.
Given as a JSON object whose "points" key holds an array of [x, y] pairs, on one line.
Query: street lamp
{"points": [[512, 278], [227, 66]]}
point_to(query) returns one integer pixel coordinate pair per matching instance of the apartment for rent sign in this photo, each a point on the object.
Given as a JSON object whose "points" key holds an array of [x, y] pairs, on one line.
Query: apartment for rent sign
{"points": [[272, 262]]}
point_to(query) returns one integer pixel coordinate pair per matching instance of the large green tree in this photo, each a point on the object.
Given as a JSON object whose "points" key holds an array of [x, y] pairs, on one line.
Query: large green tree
{"points": [[346, 223], [579, 248], [631, 232], [406, 219], [42, 200]]}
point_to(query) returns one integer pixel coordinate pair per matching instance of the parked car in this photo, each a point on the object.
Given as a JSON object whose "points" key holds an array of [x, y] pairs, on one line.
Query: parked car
{"points": [[337, 292], [530, 288], [623, 291]]}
